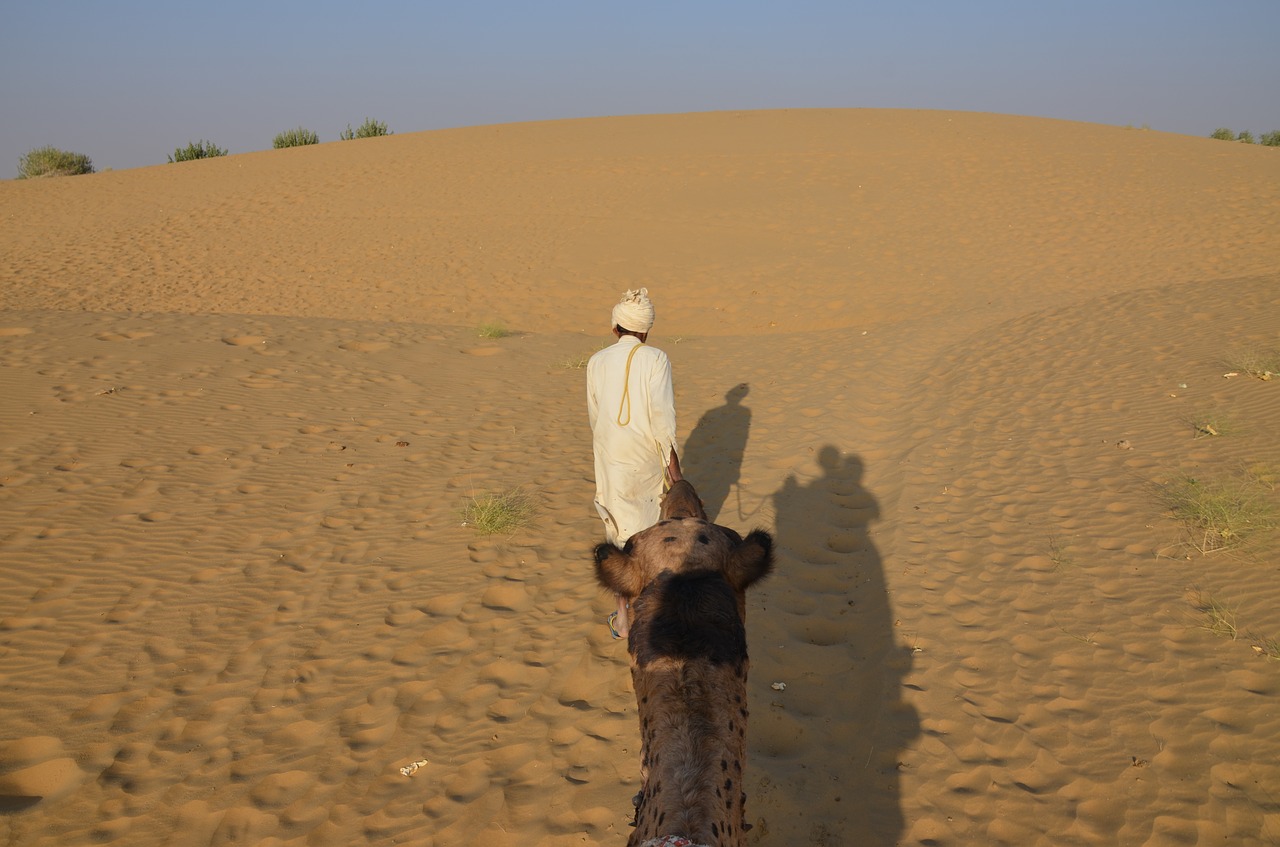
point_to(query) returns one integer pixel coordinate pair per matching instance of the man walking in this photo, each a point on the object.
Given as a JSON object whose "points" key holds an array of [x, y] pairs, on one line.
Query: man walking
{"points": [[632, 409]]}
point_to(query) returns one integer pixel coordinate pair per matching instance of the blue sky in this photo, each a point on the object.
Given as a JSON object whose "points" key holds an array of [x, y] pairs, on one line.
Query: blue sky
{"points": [[126, 82]]}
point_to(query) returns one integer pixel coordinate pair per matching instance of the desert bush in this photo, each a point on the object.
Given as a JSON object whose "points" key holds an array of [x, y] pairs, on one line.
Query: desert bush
{"points": [[369, 129], [1268, 139], [299, 137], [197, 150], [50, 161]]}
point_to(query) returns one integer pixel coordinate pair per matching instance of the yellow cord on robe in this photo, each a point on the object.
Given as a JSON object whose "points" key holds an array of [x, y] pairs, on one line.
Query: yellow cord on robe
{"points": [[626, 388], [626, 404]]}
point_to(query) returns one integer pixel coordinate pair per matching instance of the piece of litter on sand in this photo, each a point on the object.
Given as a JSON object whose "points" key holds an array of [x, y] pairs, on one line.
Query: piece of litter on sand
{"points": [[412, 768], [779, 686], [1231, 374]]}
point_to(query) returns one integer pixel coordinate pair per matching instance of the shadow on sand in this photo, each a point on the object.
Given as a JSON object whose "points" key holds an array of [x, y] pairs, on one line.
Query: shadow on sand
{"points": [[827, 746], [713, 452]]}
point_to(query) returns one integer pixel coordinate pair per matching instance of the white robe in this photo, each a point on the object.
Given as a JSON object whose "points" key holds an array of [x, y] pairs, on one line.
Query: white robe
{"points": [[632, 455]]}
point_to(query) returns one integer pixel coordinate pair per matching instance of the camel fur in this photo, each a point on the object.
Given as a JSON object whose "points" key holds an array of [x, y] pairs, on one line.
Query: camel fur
{"points": [[686, 579]]}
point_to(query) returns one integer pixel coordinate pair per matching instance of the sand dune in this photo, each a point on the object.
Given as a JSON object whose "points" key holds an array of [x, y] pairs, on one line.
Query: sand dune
{"points": [[947, 358]]}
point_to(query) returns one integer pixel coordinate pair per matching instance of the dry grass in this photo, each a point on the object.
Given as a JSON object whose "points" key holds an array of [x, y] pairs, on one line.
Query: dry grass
{"points": [[579, 362], [1058, 553], [492, 329], [1257, 362], [1219, 514], [1268, 648], [1264, 474], [1211, 423], [499, 514], [1219, 618]]}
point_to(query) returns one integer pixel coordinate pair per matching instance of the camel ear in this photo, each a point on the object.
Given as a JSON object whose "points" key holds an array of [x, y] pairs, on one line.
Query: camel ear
{"points": [[615, 571], [751, 560]]}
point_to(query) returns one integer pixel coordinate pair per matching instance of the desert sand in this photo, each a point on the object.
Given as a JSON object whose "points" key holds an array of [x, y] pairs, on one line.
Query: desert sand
{"points": [[949, 359]]}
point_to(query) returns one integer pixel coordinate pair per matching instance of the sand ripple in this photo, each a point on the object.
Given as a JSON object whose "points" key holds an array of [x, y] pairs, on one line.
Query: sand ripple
{"points": [[945, 358]]}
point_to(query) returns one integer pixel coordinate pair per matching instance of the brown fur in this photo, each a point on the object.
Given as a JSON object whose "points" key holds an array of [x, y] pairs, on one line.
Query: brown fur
{"points": [[681, 501], [687, 580]]}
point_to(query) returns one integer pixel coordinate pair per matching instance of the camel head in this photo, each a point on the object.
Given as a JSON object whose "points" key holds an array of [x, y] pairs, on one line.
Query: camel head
{"points": [[684, 546], [681, 501], [687, 579]]}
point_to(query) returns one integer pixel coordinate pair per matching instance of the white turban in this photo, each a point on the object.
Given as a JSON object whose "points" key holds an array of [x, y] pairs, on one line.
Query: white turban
{"points": [[634, 311]]}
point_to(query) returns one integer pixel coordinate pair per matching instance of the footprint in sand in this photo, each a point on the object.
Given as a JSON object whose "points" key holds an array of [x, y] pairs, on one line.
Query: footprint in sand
{"points": [[36, 771], [124, 335], [364, 346]]}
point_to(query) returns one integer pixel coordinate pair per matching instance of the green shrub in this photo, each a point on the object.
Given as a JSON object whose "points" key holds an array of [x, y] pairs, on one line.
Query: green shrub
{"points": [[50, 161], [295, 138], [369, 129], [1268, 139], [197, 150]]}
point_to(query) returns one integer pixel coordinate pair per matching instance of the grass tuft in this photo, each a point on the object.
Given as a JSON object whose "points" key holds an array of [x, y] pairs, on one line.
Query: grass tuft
{"points": [[499, 514], [1219, 618], [1219, 514], [1211, 423], [1264, 474], [579, 362], [1256, 362], [492, 330]]}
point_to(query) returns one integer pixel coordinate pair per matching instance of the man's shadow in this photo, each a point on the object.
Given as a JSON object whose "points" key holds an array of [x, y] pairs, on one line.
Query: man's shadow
{"points": [[712, 456], [829, 745]]}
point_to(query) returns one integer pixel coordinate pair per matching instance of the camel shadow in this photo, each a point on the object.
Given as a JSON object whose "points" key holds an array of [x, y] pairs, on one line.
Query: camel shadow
{"points": [[714, 450], [828, 745]]}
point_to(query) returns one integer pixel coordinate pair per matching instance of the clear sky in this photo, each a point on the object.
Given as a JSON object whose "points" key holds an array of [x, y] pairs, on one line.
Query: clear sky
{"points": [[128, 81]]}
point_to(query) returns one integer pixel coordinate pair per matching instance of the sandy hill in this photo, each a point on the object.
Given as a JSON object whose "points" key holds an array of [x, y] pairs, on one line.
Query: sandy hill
{"points": [[956, 362]]}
